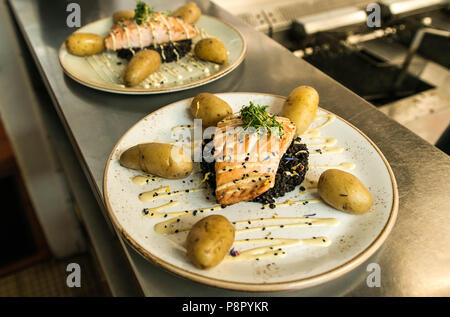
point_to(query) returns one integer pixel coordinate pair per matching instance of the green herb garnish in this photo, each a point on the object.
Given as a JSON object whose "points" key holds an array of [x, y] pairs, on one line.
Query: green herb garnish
{"points": [[258, 117], [142, 12]]}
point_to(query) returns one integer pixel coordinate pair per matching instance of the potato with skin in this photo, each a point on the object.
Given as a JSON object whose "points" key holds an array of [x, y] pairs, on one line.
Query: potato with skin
{"points": [[161, 159], [210, 108], [189, 13], [301, 107], [344, 191], [211, 50], [85, 44], [142, 64], [122, 15], [209, 240]]}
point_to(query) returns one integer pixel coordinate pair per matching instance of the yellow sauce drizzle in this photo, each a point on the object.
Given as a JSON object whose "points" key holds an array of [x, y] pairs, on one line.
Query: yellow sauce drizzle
{"points": [[275, 249], [139, 34], [205, 178], [330, 118], [325, 141], [146, 195], [144, 179], [95, 69], [176, 53], [185, 66], [166, 227], [156, 79], [163, 55], [169, 31], [102, 66], [172, 71], [203, 33], [155, 211], [152, 31], [298, 222], [127, 34], [164, 192], [315, 131], [111, 69], [312, 132], [199, 64], [185, 31], [288, 203]]}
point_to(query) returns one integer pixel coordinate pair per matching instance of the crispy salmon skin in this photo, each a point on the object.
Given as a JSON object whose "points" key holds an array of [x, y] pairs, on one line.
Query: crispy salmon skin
{"points": [[246, 163], [159, 30]]}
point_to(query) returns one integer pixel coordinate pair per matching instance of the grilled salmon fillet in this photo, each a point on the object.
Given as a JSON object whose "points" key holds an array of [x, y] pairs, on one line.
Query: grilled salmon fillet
{"points": [[246, 164], [161, 29]]}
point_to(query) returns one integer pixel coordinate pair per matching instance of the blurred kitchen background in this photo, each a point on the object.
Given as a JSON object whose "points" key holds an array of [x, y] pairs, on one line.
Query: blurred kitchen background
{"points": [[402, 67], [333, 36]]}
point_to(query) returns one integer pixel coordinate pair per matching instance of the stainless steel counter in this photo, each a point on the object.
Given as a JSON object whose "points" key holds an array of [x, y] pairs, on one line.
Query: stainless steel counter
{"points": [[414, 261]]}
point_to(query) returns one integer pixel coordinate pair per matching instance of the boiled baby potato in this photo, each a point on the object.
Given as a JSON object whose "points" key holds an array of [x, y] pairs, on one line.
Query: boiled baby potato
{"points": [[165, 160], [210, 109], [85, 44], [344, 192], [142, 64], [211, 50], [123, 15], [301, 107], [209, 241], [190, 12]]}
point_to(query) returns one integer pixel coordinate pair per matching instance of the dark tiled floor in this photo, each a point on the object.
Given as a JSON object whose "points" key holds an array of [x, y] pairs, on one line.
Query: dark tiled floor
{"points": [[49, 279]]}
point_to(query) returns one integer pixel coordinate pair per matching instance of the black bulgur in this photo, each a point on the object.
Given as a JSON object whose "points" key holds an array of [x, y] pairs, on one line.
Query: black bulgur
{"points": [[181, 47]]}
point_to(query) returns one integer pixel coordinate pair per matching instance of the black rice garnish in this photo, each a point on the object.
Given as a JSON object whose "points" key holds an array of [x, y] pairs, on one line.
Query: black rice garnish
{"points": [[182, 47], [284, 182]]}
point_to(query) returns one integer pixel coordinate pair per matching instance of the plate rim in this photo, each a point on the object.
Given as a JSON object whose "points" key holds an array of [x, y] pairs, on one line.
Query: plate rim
{"points": [[262, 287], [145, 91]]}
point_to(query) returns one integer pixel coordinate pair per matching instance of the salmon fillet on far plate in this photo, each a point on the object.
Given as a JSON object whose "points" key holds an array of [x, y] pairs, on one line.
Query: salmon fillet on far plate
{"points": [[246, 164], [161, 29]]}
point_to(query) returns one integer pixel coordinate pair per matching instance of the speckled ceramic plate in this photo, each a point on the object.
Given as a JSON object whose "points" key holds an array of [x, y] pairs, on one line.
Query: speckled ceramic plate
{"points": [[104, 71], [348, 243]]}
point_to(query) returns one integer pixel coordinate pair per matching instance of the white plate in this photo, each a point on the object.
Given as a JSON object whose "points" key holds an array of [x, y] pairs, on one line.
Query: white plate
{"points": [[353, 240], [102, 71]]}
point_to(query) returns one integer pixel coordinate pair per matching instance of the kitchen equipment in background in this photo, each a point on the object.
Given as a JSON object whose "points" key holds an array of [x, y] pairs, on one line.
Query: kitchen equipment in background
{"points": [[402, 8], [367, 75], [367, 60], [334, 37], [326, 21]]}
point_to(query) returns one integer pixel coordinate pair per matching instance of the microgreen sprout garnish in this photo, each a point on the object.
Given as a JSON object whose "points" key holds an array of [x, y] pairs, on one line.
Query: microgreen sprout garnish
{"points": [[257, 116], [142, 12]]}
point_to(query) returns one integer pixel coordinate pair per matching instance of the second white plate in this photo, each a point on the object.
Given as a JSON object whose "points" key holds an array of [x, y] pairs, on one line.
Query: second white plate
{"points": [[104, 71]]}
